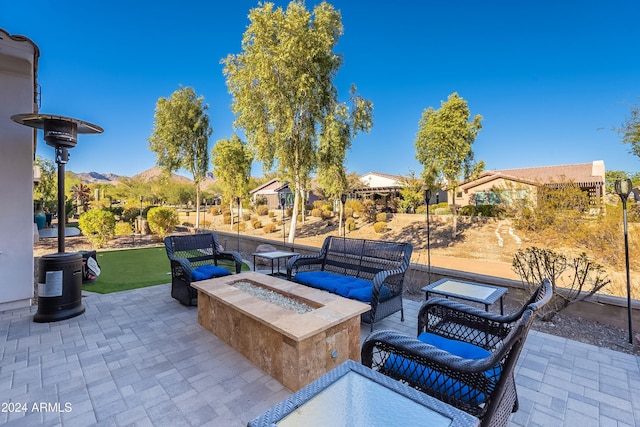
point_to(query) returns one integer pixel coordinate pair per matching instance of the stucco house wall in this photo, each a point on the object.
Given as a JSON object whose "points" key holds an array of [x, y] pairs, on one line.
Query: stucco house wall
{"points": [[18, 65]]}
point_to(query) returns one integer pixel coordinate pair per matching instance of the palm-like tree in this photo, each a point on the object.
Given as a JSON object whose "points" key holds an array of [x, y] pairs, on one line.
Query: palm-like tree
{"points": [[81, 193]]}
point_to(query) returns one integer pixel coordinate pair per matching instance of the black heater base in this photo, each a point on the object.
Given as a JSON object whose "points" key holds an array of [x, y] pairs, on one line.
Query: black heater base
{"points": [[59, 287]]}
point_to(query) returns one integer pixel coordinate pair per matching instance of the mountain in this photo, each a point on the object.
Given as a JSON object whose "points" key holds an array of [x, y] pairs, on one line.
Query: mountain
{"points": [[95, 177], [156, 172], [146, 176]]}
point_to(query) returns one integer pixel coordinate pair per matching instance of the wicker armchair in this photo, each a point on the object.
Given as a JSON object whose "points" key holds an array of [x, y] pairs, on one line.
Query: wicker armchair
{"points": [[191, 252], [463, 356]]}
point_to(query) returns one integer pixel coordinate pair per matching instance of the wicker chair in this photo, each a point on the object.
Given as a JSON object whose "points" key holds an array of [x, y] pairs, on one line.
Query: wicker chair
{"points": [[464, 356], [188, 253]]}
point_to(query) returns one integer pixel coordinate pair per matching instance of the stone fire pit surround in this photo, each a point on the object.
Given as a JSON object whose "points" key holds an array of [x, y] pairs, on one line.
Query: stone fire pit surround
{"points": [[293, 348]]}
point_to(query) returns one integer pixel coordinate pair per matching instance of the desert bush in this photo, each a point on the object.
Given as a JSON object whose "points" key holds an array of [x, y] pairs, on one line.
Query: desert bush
{"points": [[289, 212], [421, 210], [326, 214], [318, 204], [490, 210], [123, 228], [350, 224], [256, 224], [246, 216], [441, 211], [348, 212], [240, 226], [262, 210], [226, 218], [380, 227], [468, 210], [187, 223], [269, 228], [299, 217], [98, 225], [381, 217], [354, 205], [215, 210], [572, 279], [369, 210], [129, 214], [316, 212], [162, 220], [271, 214]]}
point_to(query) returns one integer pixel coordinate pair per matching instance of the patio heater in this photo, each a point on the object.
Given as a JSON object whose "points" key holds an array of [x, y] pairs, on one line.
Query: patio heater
{"points": [[427, 198], [623, 188], [60, 274]]}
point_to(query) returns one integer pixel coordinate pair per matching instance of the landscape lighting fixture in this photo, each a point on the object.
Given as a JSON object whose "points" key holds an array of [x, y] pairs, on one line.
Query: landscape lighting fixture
{"points": [[623, 188]]}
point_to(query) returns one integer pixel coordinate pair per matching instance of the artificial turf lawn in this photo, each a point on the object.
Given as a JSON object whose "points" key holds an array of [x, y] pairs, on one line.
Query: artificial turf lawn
{"points": [[135, 268]]}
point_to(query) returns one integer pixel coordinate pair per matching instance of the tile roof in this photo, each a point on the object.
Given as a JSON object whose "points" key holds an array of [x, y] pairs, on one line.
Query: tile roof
{"points": [[580, 172]]}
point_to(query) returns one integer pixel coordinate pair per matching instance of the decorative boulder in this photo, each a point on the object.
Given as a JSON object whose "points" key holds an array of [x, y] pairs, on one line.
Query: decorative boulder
{"points": [[264, 248]]}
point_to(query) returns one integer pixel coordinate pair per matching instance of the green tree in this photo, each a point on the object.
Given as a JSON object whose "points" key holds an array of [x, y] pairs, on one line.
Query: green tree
{"points": [[630, 130], [443, 145], [162, 220], [45, 191], [180, 136], [610, 177], [284, 96], [232, 160], [411, 192]]}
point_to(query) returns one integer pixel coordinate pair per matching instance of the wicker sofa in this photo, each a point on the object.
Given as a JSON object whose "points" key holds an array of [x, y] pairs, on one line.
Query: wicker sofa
{"points": [[195, 257], [462, 356], [371, 271]]}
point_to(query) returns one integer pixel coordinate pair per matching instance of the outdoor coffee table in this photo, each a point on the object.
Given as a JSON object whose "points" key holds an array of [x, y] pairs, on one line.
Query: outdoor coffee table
{"points": [[469, 291], [273, 255], [354, 395]]}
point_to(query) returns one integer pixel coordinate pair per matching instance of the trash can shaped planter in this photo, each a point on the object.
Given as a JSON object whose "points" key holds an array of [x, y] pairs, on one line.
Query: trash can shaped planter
{"points": [[59, 287]]}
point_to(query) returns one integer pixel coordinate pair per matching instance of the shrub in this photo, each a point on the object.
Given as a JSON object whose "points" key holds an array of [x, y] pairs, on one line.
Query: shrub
{"points": [[123, 228], [381, 217], [262, 210], [369, 210], [350, 224], [441, 211], [289, 212], [326, 214], [468, 210], [316, 212], [98, 225], [246, 216], [380, 227], [256, 224], [129, 214], [162, 220], [583, 279], [354, 205], [215, 210], [348, 212], [490, 210], [226, 218], [269, 228], [272, 214]]}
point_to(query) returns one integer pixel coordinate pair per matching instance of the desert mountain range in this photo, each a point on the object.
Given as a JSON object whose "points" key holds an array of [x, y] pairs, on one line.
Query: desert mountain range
{"points": [[146, 176]]}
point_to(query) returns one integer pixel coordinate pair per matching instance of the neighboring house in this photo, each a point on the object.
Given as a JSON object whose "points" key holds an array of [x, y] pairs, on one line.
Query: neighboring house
{"points": [[505, 186], [384, 189], [272, 191], [19, 94], [635, 195]]}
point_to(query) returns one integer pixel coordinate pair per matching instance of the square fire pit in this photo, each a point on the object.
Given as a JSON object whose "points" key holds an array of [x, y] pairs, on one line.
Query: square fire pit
{"points": [[293, 345]]}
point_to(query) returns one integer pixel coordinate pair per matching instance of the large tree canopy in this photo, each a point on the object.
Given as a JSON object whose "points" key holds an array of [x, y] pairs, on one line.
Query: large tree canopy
{"points": [[232, 160], [180, 136], [443, 144], [284, 96], [630, 130]]}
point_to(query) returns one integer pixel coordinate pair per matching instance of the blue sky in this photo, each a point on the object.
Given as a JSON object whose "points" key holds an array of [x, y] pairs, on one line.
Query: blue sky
{"points": [[550, 78]]}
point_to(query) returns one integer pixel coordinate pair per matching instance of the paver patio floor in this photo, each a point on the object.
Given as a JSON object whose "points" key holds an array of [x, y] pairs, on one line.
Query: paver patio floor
{"points": [[140, 358]]}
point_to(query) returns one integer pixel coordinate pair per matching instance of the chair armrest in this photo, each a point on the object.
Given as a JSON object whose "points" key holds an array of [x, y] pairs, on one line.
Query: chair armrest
{"points": [[181, 267], [303, 262], [461, 322], [231, 256], [392, 279]]}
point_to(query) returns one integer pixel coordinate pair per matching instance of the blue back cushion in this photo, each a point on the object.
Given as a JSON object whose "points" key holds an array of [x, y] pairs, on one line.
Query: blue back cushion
{"points": [[438, 381], [207, 272]]}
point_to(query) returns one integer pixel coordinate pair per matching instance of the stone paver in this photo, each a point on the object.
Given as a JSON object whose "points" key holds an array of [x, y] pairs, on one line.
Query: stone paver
{"points": [[140, 358]]}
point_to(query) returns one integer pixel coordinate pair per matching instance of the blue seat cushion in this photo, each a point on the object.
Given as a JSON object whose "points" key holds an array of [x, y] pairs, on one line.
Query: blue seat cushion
{"points": [[207, 272], [439, 381], [346, 286]]}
